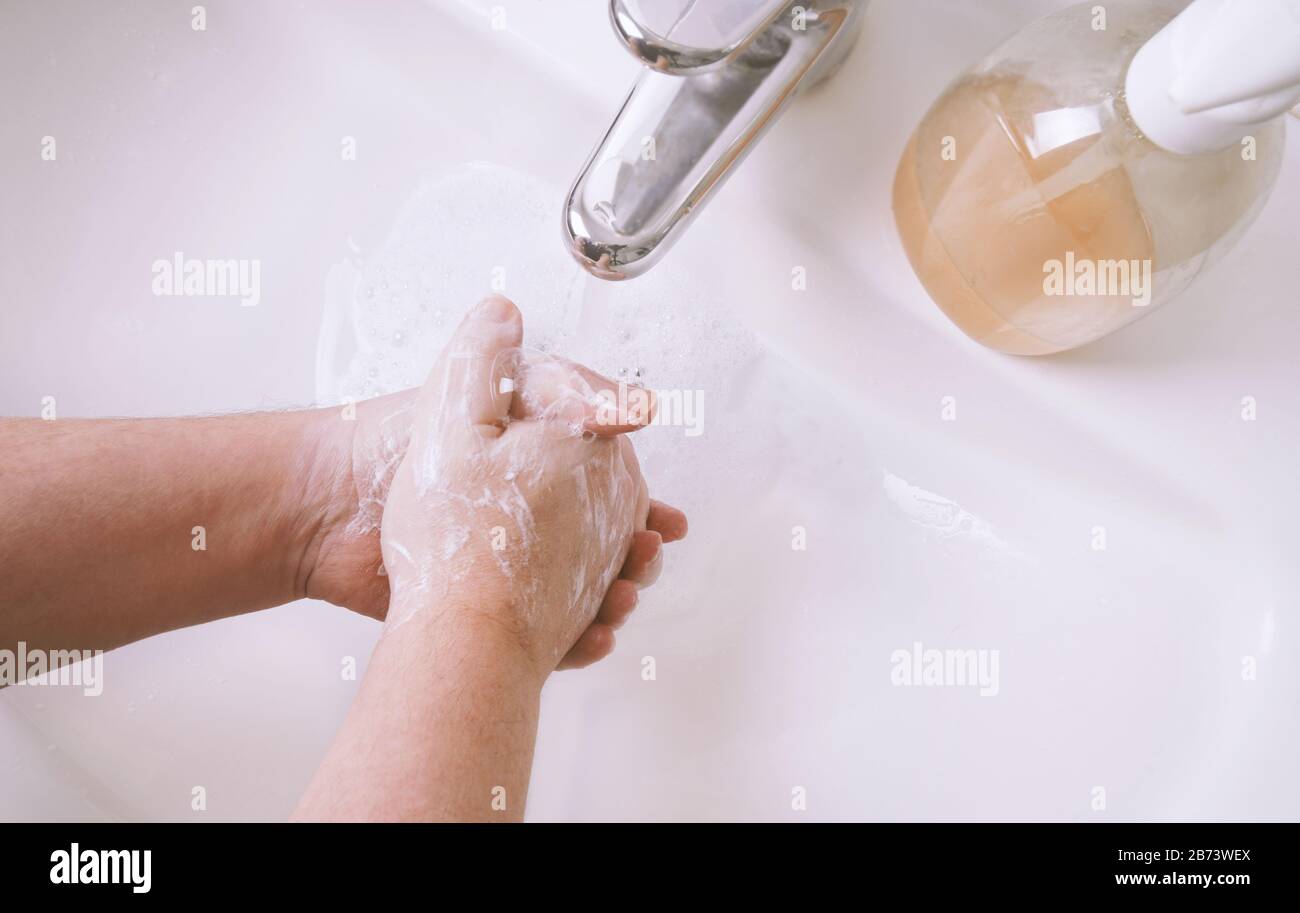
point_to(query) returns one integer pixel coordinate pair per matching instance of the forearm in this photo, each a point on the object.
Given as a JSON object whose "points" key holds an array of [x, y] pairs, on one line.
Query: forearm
{"points": [[113, 530], [442, 729]]}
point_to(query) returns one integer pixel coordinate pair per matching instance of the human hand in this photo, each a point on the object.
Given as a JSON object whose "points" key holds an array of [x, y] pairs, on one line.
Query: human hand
{"points": [[534, 431], [515, 529], [516, 505]]}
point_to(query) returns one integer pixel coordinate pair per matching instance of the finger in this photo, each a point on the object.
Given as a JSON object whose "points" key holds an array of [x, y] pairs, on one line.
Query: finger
{"points": [[599, 382], [643, 562], [619, 603], [667, 521], [595, 644], [607, 407], [473, 379], [621, 409], [541, 382], [641, 509]]}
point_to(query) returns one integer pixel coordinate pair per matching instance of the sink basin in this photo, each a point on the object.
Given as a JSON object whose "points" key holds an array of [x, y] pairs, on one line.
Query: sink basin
{"points": [[1102, 529]]}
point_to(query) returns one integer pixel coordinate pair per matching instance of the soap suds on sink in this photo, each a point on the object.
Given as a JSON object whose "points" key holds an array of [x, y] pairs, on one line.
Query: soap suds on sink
{"points": [[483, 228], [460, 237], [945, 518]]}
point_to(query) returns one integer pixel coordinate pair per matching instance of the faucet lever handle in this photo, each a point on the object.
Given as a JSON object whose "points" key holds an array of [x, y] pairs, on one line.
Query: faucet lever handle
{"points": [[682, 37]]}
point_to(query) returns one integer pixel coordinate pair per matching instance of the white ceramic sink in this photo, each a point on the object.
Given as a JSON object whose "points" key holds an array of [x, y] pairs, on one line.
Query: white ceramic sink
{"points": [[1118, 668]]}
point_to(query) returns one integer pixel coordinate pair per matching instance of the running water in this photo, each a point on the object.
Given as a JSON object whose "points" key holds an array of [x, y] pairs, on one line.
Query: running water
{"points": [[485, 228]]}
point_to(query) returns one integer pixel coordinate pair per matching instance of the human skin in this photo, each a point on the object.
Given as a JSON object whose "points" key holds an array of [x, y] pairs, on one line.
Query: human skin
{"points": [[544, 529], [98, 518], [347, 565], [101, 523]]}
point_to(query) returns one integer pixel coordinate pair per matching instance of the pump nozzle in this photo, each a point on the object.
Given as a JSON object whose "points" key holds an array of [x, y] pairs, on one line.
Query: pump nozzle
{"points": [[1215, 73]]}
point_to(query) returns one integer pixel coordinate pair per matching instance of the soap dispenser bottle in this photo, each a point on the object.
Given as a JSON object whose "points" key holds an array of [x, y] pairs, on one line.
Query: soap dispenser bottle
{"points": [[1094, 165]]}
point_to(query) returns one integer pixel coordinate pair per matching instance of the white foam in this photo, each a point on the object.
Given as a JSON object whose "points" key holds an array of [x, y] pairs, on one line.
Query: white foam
{"points": [[485, 228], [944, 517]]}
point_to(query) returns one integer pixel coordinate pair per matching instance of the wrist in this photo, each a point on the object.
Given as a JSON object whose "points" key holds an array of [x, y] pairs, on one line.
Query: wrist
{"points": [[355, 451], [456, 631], [327, 500]]}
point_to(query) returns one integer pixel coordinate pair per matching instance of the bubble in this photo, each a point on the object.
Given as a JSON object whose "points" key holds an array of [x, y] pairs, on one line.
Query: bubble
{"points": [[439, 259], [668, 329]]}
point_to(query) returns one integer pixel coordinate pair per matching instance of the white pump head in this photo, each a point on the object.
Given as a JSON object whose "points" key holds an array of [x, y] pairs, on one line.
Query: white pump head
{"points": [[1216, 72]]}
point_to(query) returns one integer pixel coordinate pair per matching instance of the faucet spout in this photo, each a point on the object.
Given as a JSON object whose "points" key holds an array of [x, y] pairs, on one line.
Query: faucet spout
{"points": [[692, 115]]}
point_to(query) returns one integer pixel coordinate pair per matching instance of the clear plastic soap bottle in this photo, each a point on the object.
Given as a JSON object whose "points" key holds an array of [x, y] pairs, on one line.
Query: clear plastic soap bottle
{"points": [[1090, 168]]}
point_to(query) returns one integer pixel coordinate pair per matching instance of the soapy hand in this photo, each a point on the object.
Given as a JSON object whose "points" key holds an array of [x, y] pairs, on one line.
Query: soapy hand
{"points": [[515, 529], [508, 496]]}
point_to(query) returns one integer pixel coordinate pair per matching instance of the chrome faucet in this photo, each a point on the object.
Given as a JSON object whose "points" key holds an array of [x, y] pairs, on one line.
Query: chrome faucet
{"points": [[718, 73]]}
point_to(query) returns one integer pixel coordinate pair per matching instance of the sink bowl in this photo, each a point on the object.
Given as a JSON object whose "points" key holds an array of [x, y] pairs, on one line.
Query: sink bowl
{"points": [[1102, 535]]}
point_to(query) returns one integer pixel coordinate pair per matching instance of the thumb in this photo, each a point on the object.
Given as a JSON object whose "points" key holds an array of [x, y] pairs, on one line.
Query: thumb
{"points": [[466, 385]]}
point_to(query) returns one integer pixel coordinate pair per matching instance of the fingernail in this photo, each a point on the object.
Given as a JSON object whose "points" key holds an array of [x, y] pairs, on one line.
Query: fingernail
{"points": [[496, 308]]}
